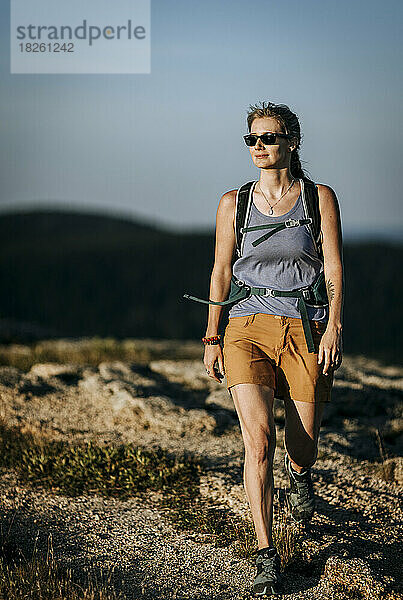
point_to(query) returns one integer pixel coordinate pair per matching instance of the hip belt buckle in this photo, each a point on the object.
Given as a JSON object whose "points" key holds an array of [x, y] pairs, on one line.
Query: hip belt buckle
{"points": [[268, 292], [306, 294], [243, 285]]}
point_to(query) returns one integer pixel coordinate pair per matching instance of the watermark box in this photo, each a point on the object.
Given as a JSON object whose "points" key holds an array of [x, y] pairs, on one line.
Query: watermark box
{"points": [[76, 36]]}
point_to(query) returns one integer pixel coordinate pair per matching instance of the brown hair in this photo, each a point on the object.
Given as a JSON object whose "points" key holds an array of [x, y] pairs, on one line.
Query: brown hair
{"points": [[288, 121]]}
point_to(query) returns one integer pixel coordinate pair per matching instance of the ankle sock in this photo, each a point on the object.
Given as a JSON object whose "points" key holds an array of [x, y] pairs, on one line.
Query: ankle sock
{"points": [[304, 470]]}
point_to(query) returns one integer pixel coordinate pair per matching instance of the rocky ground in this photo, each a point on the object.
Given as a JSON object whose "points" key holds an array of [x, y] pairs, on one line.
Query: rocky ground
{"points": [[355, 537]]}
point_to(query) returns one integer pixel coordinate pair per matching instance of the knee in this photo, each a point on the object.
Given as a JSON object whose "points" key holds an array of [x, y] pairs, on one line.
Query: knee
{"points": [[261, 448]]}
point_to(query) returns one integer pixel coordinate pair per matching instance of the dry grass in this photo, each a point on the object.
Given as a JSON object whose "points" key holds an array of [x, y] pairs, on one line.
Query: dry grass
{"points": [[92, 351], [353, 579], [40, 577], [125, 471], [386, 470], [119, 471], [287, 536]]}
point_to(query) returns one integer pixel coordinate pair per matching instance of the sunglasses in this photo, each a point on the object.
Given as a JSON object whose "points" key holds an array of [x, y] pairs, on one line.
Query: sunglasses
{"points": [[268, 138]]}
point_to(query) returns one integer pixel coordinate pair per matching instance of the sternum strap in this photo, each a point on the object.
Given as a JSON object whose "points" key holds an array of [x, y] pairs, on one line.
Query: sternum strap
{"points": [[275, 227]]}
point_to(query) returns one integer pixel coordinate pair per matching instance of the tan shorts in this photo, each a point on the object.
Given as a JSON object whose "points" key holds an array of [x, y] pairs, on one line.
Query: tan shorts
{"points": [[272, 350]]}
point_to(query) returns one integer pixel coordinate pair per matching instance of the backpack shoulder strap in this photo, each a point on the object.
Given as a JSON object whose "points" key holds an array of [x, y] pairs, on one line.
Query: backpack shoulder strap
{"points": [[242, 209], [312, 210]]}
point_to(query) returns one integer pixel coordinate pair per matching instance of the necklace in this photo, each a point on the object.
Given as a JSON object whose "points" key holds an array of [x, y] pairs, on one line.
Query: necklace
{"points": [[282, 196]]}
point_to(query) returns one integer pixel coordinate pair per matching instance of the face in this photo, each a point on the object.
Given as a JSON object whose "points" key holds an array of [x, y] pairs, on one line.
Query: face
{"points": [[271, 156]]}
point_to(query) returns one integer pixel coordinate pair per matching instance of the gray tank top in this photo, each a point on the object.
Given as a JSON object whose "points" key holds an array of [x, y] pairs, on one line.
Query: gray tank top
{"points": [[287, 260]]}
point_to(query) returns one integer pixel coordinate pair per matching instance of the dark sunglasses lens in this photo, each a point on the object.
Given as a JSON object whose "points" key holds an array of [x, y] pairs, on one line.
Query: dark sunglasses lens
{"points": [[250, 140], [268, 138]]}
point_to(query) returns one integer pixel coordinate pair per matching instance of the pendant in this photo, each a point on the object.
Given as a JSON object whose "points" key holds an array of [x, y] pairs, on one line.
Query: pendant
{"points": [[271, 210]]}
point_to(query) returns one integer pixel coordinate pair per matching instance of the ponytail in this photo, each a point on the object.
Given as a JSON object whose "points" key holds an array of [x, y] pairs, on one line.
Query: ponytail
{"points": [[296, 167]]}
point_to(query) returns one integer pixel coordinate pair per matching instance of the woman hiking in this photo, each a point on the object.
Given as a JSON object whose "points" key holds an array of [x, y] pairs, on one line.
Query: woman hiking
{"points": [[265, 352]]}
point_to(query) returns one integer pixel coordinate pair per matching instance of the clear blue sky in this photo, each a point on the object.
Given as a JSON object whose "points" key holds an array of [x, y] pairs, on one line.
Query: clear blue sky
{"points": [[163, 147]]}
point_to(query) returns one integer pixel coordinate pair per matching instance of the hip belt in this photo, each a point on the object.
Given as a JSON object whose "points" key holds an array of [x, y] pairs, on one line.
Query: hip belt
{"points": [[313, 295]]}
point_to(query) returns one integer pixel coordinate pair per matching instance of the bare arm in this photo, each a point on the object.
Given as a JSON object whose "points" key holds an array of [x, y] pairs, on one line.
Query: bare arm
{"points": [[332, 253], [331, 344], [225, 245]]}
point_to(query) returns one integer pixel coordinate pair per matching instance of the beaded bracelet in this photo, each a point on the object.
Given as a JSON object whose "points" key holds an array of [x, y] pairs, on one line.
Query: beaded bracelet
{"points": [[215, 339]]}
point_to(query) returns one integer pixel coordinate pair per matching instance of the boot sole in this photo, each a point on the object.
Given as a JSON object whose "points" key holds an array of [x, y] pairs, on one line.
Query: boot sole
{"points": [[268, 591]]}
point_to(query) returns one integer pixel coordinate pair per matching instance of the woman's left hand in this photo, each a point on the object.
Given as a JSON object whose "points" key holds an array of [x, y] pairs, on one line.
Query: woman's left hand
{"points": [[331, 348]]}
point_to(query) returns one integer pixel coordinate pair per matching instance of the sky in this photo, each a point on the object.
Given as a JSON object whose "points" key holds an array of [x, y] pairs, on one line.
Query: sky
{"points": [[163, 147]]}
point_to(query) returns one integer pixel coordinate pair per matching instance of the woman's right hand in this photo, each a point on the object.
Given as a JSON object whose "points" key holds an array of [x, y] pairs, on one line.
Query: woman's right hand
{"points": [[220, 282], [213, 357]]}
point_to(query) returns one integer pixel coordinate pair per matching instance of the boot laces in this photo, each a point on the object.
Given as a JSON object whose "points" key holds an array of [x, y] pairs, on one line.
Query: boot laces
{"points": [[269, 562], [304, 485]]}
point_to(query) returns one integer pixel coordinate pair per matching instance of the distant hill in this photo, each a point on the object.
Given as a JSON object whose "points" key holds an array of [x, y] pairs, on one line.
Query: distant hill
{"points": [[71, 274]]}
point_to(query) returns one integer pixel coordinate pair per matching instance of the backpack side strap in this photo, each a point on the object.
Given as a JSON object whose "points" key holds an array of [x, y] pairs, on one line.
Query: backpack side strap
{"points": [[310, 198], [242, 209]]}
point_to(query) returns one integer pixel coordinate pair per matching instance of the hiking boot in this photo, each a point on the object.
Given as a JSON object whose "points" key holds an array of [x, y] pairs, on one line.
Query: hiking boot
{"points": [[268, 578], [300, 497]]}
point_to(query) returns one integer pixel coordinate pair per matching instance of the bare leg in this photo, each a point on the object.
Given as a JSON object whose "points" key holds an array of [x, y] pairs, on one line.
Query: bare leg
{"points": [[302, 425], [254, 405]]}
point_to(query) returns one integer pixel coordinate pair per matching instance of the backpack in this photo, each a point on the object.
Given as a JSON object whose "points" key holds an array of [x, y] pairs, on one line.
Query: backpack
{"points": [[312, 295], [310, 199]]}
